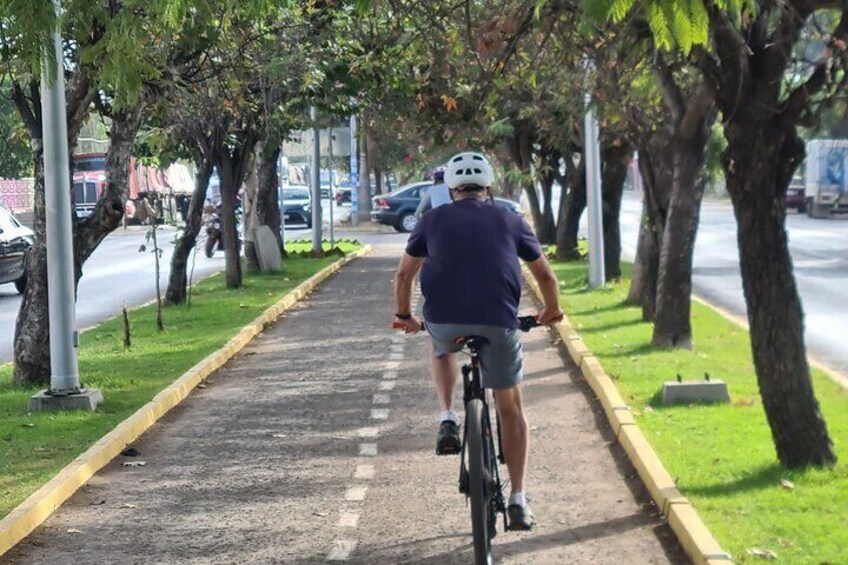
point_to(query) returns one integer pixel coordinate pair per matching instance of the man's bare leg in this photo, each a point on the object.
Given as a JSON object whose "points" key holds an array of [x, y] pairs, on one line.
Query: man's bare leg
{"points": [[444, 371], [514, 435]]}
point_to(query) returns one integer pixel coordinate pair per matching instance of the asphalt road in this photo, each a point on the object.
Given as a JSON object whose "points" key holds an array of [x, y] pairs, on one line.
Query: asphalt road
{"points": [[820, 253], [116, 274]]}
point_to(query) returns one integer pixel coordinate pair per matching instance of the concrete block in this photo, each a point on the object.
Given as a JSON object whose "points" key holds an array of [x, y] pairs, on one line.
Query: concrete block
{"points": [[675, 392], [268, 250], [86, 399]]}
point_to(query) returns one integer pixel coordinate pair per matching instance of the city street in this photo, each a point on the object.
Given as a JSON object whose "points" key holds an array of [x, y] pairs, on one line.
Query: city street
{"points": [[820, 253], [116, 274]]}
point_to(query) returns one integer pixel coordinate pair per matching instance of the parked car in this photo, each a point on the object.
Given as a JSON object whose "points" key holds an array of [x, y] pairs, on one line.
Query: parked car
{"points": [[296, 205], [343, 192], [397, 209], [796, 195], [15, 240]]}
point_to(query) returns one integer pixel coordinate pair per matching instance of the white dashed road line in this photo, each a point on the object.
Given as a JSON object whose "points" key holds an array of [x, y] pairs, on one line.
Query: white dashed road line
{"points": [[368, 449], [342, 548], [356, 494], [364, 472], [349, 518]]}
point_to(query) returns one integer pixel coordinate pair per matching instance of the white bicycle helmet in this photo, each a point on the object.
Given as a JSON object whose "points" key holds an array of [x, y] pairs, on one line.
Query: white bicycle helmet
{"points": [[468, 168]]}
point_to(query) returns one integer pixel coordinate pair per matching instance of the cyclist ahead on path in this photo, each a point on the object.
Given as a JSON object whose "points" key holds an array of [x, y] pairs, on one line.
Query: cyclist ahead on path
{"points": [[437, 195], [468, 253]]}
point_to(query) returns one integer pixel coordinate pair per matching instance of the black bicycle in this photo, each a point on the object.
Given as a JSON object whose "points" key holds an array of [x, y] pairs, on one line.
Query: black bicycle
{"points": [[479, 479]]}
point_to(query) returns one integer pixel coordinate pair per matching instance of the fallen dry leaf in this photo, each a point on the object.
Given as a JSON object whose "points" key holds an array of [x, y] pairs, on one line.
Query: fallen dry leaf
{"points": [[787, 484], [764, 553], [74, 531], [134, 464], [128, 505]]}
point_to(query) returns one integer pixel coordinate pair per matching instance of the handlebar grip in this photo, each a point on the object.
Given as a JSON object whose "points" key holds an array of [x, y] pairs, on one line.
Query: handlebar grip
{"points": [[526, 323], [397, 326]]}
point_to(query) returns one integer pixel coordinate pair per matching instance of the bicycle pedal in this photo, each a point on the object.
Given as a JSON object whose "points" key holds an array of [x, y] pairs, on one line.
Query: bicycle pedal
{"points": [[448, 450]]}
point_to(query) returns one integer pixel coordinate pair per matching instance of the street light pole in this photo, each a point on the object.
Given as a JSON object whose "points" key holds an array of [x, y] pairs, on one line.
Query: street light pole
{"points": [[317, 213], [354, 174], [332, 196], [594, 202], [64, 391]]}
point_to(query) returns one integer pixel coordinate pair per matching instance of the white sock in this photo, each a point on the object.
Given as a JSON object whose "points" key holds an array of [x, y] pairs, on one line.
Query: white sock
{"points": [[449, 415], [517, 498]]}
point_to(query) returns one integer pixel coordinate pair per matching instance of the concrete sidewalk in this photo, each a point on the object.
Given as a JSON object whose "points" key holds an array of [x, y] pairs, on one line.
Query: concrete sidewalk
{"points": [[316, 443]]}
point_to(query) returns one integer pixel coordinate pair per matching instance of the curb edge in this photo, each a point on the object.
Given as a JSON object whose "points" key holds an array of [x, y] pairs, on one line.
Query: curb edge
{"points": [[693, 535], [33, 511]]}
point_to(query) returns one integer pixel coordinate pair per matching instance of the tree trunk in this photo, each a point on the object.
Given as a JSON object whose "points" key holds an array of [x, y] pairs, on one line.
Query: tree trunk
{"points": [[233, 166], [546, 231], [637, 282], [615, 159], [567, 231], [656, 169], [229, 230], [672, 326], [178, 281], [267, 204], [758, 170], [378, 178], [32, 329]]}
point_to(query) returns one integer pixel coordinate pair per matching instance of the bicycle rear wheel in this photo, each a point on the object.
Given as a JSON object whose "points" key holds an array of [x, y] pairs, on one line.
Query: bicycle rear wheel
{"points": [[479, 479]]}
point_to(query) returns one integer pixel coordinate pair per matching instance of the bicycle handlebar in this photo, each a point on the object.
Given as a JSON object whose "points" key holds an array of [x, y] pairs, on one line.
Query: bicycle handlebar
{"points": [[525, 324]]}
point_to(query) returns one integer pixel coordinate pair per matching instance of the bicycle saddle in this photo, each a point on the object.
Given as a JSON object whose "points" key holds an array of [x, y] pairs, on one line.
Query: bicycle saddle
{"points": [[472, 342]]}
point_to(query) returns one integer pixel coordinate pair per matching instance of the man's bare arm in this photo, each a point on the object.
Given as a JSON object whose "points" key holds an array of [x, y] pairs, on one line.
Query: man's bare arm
{"points": [[541, 271], [404, 278]]}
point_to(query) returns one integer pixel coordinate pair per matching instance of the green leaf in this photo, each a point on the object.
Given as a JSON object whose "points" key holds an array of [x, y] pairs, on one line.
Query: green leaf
{"points": [[658, 24], [619, 9]]}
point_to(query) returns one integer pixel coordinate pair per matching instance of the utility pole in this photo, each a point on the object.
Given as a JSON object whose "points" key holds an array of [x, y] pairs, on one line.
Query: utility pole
{"points": [[332, 196], [317, 214], [594, 202], [64, 392], [354, 174]]}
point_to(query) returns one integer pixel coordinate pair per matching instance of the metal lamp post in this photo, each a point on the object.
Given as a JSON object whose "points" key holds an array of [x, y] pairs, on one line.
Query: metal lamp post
{"points": [[594, 202], [64, 392]]}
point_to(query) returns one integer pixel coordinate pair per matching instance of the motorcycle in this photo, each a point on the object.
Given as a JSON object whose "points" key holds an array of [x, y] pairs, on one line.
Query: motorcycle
{"points": [[214, 235]]}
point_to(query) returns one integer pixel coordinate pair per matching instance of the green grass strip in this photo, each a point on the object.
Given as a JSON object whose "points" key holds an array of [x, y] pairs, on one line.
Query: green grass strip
{"points": [[34, 447], [721, 456]]}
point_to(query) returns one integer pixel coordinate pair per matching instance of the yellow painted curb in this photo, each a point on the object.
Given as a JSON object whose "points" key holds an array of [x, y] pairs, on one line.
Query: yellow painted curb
{"points": [[21, 521], [696, 540]]}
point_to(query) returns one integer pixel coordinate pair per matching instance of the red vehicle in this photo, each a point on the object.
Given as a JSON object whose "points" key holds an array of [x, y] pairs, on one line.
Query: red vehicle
{"points": [[144, 180]]}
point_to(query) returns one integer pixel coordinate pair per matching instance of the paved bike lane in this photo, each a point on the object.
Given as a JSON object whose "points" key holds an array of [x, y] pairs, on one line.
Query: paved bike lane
{"points": [[315, 444]]}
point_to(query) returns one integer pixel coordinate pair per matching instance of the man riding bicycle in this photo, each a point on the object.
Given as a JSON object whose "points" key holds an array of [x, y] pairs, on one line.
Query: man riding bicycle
{"points": [[468, 253]]}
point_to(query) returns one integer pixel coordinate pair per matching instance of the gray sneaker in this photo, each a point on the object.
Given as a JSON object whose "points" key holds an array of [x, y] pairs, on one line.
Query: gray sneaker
{"points": [[519, 518], [447, 440]]}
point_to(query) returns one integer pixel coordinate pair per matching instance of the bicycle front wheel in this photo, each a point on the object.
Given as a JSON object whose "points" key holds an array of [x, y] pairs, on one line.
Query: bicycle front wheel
{"points": [[479, 479]]}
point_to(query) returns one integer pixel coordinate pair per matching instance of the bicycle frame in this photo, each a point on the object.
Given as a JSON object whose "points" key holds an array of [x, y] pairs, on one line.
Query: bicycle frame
{"points": [[473, 389]]}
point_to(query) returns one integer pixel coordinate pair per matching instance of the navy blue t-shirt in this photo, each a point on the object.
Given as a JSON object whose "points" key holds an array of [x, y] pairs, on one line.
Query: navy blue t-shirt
{"points": [[471, 273]]}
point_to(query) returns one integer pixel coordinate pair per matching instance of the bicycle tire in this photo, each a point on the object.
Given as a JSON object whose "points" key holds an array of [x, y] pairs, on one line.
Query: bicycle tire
{"points": [[478, 479]]}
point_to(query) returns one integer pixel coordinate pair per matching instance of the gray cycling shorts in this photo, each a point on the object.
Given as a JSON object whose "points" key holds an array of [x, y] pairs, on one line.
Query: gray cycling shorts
{"points": [[500, 359]]}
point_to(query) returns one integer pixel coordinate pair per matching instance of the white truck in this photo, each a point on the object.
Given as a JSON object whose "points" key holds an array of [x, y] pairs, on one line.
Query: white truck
{"points": [[826, 177]]}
